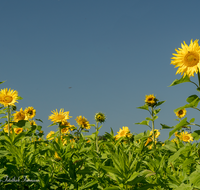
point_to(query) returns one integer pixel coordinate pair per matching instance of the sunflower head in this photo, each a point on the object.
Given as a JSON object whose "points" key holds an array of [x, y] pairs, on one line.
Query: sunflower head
{"points": [[181, 113], [187, 58], [59, 117], [124, 132], [19, 115], [8, 97], [100, 117], [186, 137], [6, 128], [30, 112], [83, 122], [18, 130], [150, 100]]}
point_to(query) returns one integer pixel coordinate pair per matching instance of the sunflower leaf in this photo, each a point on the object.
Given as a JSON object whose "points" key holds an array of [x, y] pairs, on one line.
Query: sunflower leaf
{"points": [[2, 82], [52, 124], [166, 126], [145, 107], [192, 120], [192, 104], [179, 81], [178, 127], [196, 135], [159, 103], [143, 123], [191, 98]]}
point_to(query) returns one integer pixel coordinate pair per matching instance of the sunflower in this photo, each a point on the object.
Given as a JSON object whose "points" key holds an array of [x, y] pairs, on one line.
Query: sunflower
{"points": [[8, 97], [186, 137], [50, 134], [65, 130], [19, 115], [150, 100], [156, 133], [59, 117], [187, 58], [148, 141], [18, 130], [6, 128], [124, 132], [83, 122], [100, 117], [30, 112], [57, 157], [181, 113]]}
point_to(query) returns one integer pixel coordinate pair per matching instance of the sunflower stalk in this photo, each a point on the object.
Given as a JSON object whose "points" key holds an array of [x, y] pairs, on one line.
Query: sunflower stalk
{"points": [[97, 148], [152, 114], [8, 120], [199, 77]]}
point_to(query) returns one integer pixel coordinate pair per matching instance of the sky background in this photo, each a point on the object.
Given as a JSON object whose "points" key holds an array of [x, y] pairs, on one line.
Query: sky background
{"points": [[111, 53]]}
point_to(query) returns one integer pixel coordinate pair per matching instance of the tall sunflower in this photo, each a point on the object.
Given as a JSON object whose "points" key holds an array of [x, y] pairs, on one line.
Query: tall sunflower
{"points": [[8, 97], [181, 113], [59, 117], [187, 58]]}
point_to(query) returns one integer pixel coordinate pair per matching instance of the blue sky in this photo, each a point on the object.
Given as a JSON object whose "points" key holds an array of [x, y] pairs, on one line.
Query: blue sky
{"points": [[112, 53]]}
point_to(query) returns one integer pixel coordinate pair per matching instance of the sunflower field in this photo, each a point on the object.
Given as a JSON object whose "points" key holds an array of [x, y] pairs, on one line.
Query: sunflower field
{"points": [[70, 159]]}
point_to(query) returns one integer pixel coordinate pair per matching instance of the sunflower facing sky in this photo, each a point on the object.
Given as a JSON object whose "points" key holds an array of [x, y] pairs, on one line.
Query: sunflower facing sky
{"points": [[59, 117], [19, 115], [186, 137], [8, 97], [124, 132], [187, 58], [181, 113]]}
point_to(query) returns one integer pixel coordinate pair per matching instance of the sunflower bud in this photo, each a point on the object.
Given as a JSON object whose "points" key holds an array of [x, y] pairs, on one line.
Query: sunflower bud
{"points": [[100, 117]]}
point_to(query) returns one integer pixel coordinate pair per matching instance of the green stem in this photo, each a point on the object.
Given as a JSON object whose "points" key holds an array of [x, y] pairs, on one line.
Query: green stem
{"points": [[59, 130], [97, 148], [8, 120], [199, 77], [154, 143]]}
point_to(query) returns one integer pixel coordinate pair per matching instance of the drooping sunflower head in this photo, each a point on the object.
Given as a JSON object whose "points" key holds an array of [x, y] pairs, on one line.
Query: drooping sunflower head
{"points": [[187, 58], [100, 117], [8, 97], [181, 113], [186, 137], [30, 112], [83, 122], [59, 117], [150, 100], [19, 115]]}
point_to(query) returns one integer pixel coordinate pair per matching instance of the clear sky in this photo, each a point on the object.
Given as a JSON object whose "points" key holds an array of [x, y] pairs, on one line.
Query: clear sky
{"points": [[111, 53]]}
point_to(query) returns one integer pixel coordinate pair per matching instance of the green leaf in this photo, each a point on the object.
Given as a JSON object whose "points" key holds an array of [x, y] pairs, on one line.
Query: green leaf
{"points": [[165, 126], [193, 104], [156, 111], [178, 127], [196, 135], [89, 184], [192, 120], [191, 98], [145, 107], [179, 81], [198, 89], [2, 82], [19, 98], [39, 120], [143, 123], [113, 188], [159, 103]]}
